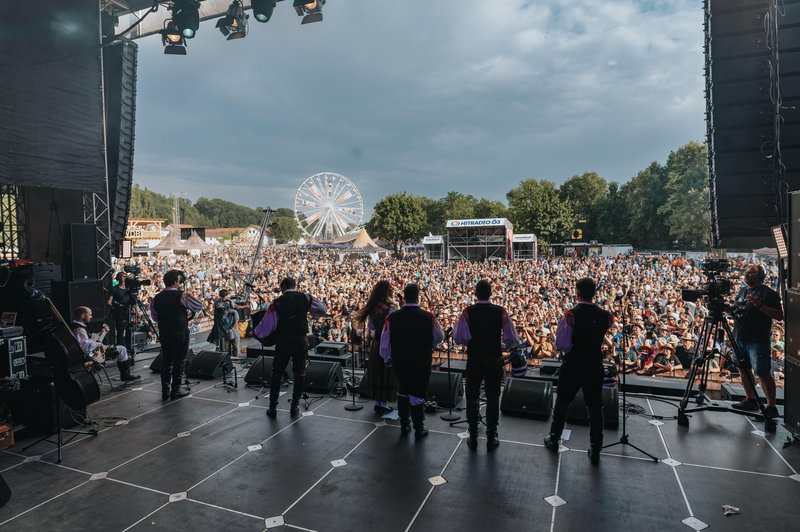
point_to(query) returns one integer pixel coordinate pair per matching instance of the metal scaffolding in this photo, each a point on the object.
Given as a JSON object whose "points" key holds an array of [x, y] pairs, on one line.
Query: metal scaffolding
{"points": [[13, 229]]}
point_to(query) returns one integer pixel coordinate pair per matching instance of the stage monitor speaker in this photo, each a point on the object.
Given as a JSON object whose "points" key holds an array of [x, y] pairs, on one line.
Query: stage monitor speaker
{"points": [[363, 385], [119, 75], [741, 118], [34, 407], [261, 371], [577, 408], [266, 350], [80, 251], [209, 365], [5, 491], [330, 348], [155, 365], [69, 295], [549, 366], [528, 398], [438, 391], [322, 376]]}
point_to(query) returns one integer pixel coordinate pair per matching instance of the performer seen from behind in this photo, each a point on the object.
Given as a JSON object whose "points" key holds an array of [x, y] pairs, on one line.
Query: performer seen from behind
{"points": [[481, 327], [82, 316], [381, 383], [580, 336], [172, 309], [287, 317], [407, 342], [759, 305]]}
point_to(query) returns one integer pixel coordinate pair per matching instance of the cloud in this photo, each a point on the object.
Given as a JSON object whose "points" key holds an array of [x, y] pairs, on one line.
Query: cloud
{"points": [[418, 96]]}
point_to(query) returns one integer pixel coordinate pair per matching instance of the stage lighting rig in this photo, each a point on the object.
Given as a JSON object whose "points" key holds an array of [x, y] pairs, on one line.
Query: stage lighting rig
{"points": [[185, 13], [172, 39], [312, 10], [262, 9], [234, 23]]}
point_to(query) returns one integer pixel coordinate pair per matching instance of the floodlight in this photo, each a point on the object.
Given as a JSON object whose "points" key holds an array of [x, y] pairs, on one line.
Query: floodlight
{"points": [[234, 23], [312, 10], [186, 15], [262, 9]]}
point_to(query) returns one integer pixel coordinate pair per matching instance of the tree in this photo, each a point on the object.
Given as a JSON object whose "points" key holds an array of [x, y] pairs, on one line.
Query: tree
{"points": [[535, 207], [644, 194], [613, 217], [687, 210], [585, 193], [285, 228], [486, 208], [458, 206], [398, 218], [434, 214]]}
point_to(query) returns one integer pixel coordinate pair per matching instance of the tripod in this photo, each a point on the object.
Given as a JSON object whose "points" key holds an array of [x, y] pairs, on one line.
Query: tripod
{"points": [[228, 385], [624, 439], [714, 322]]}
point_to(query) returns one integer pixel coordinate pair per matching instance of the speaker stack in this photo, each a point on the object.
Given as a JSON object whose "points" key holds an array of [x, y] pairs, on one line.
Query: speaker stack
{"points": [[323, 377], [261, 371], [742, 126], [791, 389], [577, 408]]}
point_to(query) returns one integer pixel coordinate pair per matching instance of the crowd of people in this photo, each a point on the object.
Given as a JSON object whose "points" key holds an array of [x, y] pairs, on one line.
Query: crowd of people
{"points": [[662, 329]]}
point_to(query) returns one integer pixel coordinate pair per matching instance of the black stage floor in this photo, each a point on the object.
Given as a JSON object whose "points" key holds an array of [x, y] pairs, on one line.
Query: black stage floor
{"points": [[214, 461]]}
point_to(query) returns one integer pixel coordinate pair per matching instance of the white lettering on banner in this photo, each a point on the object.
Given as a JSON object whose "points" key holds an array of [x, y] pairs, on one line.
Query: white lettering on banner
{"points": [[475, 223]]}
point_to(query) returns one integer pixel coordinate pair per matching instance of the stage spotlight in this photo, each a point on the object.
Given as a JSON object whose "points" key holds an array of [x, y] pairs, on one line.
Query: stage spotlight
{"points": [[262, 9], [186, 15], [234, 23], [312, 10], [779, 234], [172, 39]]}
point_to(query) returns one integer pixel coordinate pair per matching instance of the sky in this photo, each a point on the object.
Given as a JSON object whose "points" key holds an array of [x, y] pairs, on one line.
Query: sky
{"points": [[421, 96]]}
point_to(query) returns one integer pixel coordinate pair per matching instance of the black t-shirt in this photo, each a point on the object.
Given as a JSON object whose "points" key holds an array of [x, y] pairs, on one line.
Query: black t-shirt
{"points": [[121, 299], [754, 326]]}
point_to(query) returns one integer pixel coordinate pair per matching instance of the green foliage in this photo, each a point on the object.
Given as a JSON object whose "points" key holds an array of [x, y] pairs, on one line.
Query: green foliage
{"points": [[686, 209], [458, 206], [535, 207], [644, 194], [485, 208], [210, 213], [434, 215], [285, 228], [613, 217], [584, 193], [398, 218]]}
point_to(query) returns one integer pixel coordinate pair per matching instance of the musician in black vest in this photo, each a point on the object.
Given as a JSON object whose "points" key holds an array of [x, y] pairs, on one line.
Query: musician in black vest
{"points": [[482, 326], [172, 309], [407, 341], [580, 335], [287, 317]]}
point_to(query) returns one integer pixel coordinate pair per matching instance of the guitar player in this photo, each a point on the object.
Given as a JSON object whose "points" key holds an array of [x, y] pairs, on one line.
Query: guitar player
{"points": [[82, 316]]}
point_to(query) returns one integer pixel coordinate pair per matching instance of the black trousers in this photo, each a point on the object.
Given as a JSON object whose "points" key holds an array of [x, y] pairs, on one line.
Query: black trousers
{"points": [[122, 327], [174, 346], [571, 378], [488, 371], [296, 349]]}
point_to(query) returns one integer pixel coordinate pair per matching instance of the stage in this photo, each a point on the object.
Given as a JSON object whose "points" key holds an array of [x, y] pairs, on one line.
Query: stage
{"points": [[214, 461]]}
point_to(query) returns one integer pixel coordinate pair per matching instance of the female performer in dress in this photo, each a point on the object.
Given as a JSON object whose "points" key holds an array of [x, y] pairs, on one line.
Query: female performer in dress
{"points": [[381, 383]]}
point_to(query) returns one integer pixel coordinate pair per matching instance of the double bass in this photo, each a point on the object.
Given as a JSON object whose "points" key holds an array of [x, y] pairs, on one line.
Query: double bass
{"points": [[75, 385]]}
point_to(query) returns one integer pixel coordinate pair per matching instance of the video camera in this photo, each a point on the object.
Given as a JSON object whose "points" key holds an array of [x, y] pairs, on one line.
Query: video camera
{"points": [[715, 289], [132, 283]]}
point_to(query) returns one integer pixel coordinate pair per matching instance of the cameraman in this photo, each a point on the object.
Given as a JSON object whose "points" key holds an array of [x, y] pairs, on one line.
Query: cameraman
{"points": [[121, 301], [756, 306]]}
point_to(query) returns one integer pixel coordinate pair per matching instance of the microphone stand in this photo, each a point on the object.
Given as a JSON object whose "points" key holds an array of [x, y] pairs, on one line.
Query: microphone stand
{"points": [[449, 416], [623, 439], [353, 406]]}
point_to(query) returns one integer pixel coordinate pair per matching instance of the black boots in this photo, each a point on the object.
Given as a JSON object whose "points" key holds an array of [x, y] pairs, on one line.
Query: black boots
{"points": [[472, 441], [492, 442], [418, 419], [594, 455], [595, 433], [552, 442], [272, 411], [297, 394], [124, 367], [404, 413]]}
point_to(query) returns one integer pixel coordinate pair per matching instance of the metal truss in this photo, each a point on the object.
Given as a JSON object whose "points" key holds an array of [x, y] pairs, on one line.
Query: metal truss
{"points": [[96, 212], [13, 228]]}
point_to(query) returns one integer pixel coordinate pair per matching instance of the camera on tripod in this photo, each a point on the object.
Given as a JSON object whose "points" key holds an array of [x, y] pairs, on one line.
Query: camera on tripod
{"points": [[715, 289], [132, 282]]}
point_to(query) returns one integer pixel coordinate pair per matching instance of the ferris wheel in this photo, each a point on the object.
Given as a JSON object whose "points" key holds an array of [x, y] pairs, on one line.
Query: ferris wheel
{"points": [[327, 206]]}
